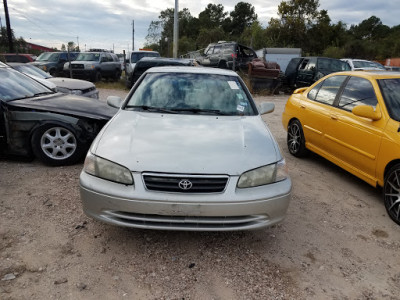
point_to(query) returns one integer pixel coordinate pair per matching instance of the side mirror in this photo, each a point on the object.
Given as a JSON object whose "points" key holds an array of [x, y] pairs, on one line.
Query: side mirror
{"points": [[366, 111], [114, 101], [266, 107], [300, 90]]}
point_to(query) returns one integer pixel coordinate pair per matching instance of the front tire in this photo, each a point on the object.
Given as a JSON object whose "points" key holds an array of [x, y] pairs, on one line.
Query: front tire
{"points": [[391, 193], [56, 145], [295, 139]]}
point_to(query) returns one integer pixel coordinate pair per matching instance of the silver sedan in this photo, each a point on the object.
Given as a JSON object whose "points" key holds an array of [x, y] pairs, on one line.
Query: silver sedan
{"points": [[187, 150]]}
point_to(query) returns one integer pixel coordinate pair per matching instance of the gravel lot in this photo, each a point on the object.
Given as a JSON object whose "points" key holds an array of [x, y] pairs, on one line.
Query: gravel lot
{"points": [[336, 243]]}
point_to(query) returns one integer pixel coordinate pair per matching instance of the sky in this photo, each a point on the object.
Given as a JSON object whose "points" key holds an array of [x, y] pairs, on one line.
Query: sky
{"points": [[107, 24]]}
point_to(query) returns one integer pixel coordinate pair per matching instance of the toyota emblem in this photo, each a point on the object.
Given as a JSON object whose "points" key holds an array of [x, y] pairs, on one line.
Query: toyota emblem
{"points": [[185, 184]]}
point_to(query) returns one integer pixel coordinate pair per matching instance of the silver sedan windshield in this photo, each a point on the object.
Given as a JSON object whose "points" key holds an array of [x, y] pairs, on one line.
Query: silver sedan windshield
{"points": [[191, 93]]}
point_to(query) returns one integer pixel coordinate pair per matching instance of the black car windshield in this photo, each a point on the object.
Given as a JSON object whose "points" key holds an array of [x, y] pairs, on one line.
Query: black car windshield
{"points": [[333, 65], [190, 93], [391, 94], [88, 57], [44, 56], [14, 86], [32, 70]]}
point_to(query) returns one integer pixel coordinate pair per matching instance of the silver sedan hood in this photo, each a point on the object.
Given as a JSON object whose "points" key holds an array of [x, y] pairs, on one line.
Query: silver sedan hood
{"points": [[196, 144], [70, 83]]}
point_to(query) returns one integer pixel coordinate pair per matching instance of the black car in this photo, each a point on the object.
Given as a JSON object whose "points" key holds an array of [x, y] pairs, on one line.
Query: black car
{"points": [[53, 62], [304, 71], [227, 55], [55, 127], [148, 62]]}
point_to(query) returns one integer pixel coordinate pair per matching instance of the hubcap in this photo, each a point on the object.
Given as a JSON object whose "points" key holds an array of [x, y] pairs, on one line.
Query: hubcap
{"points": [[294, 138], [392, 194], [58, 143]]}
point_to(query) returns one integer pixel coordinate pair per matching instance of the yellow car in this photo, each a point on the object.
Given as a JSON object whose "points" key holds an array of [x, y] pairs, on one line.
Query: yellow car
{"points": [[353, 120]]}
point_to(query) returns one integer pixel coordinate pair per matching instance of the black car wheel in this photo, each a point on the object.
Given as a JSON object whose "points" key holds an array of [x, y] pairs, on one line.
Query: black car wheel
{"points": [[117, 75], [391, 193], [222, 64], [56, 145], [295, 139], [97, 76]]}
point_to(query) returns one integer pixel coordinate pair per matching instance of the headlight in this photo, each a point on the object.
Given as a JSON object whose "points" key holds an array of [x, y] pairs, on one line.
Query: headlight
{"points": [[76, 92], [264, 175], [90, 67], [63, 90], [44, 68], [107, 170]]}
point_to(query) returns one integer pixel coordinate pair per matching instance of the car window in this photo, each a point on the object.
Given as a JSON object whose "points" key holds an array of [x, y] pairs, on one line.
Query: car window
{"points": [[303, 64], [390, 89], [358, 91], [217, 49], [183, 92], [32, 70], [311, 65], [327, 93], [14, 85], [209, 51], [333, 65], [313, 93], [88, 57]]}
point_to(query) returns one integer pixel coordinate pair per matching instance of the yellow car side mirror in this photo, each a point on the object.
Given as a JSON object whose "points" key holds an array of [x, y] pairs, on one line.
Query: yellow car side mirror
{"points": [[300, 90], [367, 111]]}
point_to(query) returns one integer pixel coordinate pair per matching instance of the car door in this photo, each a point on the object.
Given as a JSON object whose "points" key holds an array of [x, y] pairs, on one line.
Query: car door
{"points": [[315, 111], [306, 72], [352, 141], [215, 56]]}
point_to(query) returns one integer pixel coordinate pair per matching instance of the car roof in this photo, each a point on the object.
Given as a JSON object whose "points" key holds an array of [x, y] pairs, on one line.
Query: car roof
{"points": [[3, 65], [192, 70], [370, 74]]}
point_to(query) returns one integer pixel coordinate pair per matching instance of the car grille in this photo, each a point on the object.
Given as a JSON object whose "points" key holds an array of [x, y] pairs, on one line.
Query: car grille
{"points": [[77, 66], [185, 183], [192, 223]]}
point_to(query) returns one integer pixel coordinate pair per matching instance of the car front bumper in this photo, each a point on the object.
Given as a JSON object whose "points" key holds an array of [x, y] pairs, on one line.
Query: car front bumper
{"points": [[233, 209]]}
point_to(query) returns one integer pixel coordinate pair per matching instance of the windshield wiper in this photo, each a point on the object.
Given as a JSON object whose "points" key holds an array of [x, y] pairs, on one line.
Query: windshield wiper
{"points": [[42, 93], [199, 110], [151, 108]]}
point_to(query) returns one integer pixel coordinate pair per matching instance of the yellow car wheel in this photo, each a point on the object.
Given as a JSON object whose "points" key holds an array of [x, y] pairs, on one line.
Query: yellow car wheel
{"points": [[295, 139]]}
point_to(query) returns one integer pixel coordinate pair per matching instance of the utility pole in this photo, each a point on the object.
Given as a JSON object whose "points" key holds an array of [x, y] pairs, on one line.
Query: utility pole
{"points": [[77, 41], [176, 30], [9, 33], [133, 35]]}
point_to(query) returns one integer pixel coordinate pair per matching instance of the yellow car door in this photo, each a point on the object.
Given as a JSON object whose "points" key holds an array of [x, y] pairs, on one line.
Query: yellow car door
{"points": [[353, 142], [315, 111]]}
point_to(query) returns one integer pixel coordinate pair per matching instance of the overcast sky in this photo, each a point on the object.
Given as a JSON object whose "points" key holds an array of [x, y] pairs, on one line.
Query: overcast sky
{"points": [[107, 24]]}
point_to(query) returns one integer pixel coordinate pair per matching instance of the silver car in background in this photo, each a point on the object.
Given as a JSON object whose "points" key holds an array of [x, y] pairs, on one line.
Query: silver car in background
{"points": [[188, 150], [58, 84]]}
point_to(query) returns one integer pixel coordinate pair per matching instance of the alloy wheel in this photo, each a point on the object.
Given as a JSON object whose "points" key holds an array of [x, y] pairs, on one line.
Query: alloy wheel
{"points": [[58, 143]]}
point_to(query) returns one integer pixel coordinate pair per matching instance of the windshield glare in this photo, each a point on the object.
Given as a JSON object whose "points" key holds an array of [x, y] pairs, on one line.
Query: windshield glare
{"points": [[32, 70], [14, 85], [88, 57], [182, 92], [391, 94], [44, 56]]}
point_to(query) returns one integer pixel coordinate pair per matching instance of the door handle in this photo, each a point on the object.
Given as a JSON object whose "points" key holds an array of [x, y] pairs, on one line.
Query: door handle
{"points": [[302, 106], [334, 117]]}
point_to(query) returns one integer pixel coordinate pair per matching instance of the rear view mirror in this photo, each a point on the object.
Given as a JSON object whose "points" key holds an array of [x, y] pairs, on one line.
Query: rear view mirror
{"points": [[366, 111], [114, 101], [266, 107], [300, 90]]}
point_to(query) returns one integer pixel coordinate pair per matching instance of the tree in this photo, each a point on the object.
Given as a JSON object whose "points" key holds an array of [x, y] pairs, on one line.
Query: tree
{"points": [[241, 17], [212, 16]]}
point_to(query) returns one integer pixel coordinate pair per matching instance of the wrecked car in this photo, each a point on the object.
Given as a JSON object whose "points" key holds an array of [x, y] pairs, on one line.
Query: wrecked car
{"points": [[227, 55], [36, 121]]}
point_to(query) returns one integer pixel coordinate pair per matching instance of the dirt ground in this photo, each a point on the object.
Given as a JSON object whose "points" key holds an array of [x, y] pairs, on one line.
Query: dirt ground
{"points": [[336, 242]]}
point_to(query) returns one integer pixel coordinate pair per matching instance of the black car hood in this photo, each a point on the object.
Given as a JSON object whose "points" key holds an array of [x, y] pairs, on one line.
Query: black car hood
{"points": [[68, 104]]}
